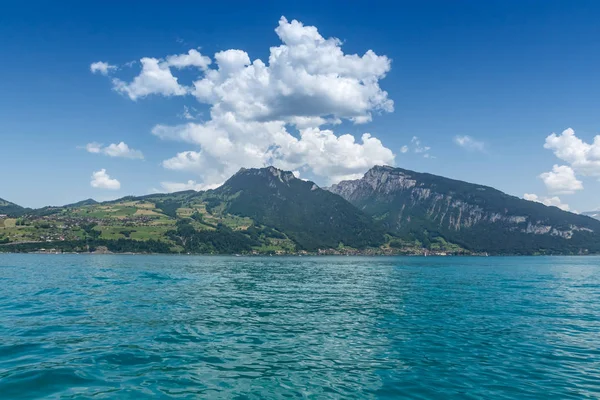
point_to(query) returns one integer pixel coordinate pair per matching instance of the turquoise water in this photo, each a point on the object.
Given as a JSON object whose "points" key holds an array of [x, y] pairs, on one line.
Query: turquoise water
{"points": [[131, 327]]}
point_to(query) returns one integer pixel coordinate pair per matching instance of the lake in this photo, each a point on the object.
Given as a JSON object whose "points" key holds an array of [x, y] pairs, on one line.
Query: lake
{"points": [[131, 327]]}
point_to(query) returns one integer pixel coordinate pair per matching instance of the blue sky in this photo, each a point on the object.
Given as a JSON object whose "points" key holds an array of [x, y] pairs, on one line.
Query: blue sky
{"points": [[506, 74]]}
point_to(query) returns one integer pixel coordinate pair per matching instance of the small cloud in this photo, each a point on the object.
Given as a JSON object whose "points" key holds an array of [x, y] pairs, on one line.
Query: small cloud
{"points": [[417, 147], [189, 113], [102, 68], [101, 180], [93, 147], [561, 180], [582, 157], [467, 142], [189, 185], [547, 201], [121, 150]]}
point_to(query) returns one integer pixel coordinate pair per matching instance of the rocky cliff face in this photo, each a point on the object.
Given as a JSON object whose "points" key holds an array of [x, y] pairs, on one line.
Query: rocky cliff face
{"points": [[408, 202]]}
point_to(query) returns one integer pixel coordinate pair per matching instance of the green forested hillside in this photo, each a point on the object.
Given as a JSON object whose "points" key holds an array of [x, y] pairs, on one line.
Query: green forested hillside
{"points": [[260, 211], [11, 209]]}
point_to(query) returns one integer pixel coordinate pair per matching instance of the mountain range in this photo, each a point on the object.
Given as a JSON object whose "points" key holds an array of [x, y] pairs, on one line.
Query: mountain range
{"points": [[270, 211]]}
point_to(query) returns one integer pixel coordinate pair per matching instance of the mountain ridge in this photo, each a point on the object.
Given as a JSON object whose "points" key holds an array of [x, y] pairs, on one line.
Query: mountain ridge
{"points": [[313, 217], [420, 204], [388, 211], [11, 209]]}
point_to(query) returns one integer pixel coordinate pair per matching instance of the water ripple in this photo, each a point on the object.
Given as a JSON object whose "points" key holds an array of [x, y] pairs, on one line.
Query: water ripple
{"points": [[78, 327]]}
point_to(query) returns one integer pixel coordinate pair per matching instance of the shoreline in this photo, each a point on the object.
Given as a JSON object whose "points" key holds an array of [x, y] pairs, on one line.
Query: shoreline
{"points": [[297, 255]]}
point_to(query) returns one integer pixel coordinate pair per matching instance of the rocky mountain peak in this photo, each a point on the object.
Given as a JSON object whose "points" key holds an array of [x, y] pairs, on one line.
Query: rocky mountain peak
{"points": [[268, 172], [381, 179]]}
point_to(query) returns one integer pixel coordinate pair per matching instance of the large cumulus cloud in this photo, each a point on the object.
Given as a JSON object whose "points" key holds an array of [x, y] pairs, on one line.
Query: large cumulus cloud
{"points": [[278, 112]]}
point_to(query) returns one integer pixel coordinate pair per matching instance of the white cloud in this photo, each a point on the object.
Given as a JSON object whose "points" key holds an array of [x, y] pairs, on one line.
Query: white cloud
{"points": [[114, 150], [185, 161], [189, 185], [583, 157], [335, 157], [561, 180], [193, 58], [306, 83], [102, 68], [101, 180], [547, 201], [417, 147], [307, 76], [93, 147], [228, 145], [155, 78], [469, 143], [187, 113]]}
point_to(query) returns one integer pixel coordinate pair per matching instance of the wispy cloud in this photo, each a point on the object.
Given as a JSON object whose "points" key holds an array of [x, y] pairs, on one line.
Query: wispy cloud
{"points": [[102, 68], [469, 143], [416, 147], [114, 150]]}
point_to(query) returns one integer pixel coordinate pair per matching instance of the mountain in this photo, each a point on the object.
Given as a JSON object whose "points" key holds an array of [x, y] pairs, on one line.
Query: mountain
{"points": [[310, 216], [478, 218], [256, 211], [269, 211], [592, 214], [11, 209], [86, 202]]}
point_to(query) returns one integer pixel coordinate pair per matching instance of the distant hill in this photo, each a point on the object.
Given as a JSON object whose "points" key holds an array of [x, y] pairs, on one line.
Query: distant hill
{"points": [[87, 202], [11, 209], [479, 218]]}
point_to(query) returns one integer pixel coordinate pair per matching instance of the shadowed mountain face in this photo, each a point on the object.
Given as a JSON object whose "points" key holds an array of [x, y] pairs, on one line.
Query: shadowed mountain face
{"points": [[312, 217], [477, 217]]}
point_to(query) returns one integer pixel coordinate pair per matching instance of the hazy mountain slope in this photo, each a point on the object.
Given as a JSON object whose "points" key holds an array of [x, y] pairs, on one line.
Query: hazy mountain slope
{"points": [[477, 217], [86, 202], [11, 209]]}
